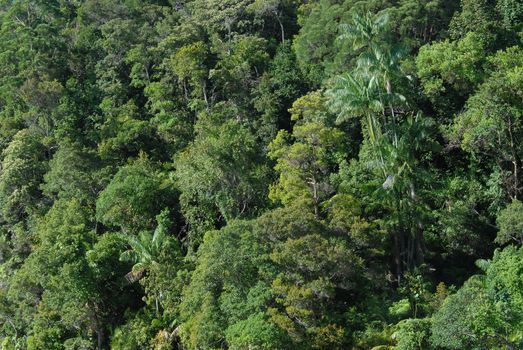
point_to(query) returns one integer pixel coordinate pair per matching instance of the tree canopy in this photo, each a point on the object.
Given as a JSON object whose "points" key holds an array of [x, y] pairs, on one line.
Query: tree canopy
{"points": [[261, 174]]}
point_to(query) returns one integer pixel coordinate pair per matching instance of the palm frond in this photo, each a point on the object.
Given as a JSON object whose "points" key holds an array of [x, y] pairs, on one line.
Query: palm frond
{"points": [[129, 256]]}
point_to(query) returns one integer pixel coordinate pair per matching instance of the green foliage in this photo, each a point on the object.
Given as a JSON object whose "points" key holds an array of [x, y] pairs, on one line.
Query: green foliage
{"points": [[413, 334], [122, 131], [486, 311], [509, 221], [133, 197], [256, 332], [146, 248], [420, 22], [395, 137], [305, 165], [220, 175], [260, 285], [58, 270], [510, 11], [400, 308], [261, 174], [240, 62], [474, 16], [276, 92], [449, 70], [137, 333], [318, 52], [491, 122], [188, 64], [155, 256], [23, 167], [72, 174]]}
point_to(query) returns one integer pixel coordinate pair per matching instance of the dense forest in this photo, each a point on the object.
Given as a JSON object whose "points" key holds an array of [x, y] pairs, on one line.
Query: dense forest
{"points": [[261, 174]]}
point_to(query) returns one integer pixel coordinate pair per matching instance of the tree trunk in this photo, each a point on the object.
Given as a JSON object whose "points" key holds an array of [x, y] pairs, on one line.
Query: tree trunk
{"points": [[204, 92], [100, 338], [397, 257], [281, 28], [514, 160]]}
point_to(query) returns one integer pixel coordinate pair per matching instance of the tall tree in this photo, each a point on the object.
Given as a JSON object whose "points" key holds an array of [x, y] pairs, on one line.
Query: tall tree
{"points": [[396, 135]]}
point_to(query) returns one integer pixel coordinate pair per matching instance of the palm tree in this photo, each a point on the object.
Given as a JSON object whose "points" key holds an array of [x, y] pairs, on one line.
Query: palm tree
{"points": [[353, 97], [368, 92], [146, 249]]}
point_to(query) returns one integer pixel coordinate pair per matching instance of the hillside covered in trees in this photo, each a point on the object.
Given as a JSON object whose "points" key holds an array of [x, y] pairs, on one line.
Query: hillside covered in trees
{"points": [[261, 174]]}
